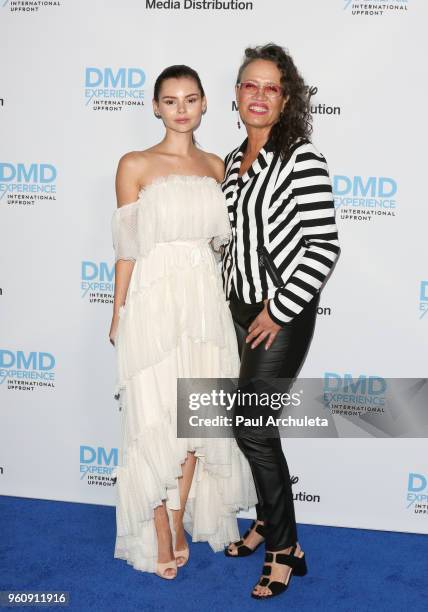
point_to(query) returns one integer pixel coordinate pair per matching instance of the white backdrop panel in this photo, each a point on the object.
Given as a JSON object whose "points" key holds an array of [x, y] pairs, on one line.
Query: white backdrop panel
{"points": [[61, 442]]}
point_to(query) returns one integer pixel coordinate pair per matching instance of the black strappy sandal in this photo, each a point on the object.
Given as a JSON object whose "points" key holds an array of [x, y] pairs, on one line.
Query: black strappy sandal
{"points": [[298, 568], [245, 551]]}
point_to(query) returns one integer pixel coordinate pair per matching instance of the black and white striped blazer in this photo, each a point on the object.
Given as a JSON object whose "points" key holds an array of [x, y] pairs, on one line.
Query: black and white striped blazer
{"points": [[287, 207]]}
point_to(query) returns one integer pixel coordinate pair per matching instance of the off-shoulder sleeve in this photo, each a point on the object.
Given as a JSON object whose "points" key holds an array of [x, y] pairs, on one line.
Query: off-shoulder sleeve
{"points": [[124, 232]]}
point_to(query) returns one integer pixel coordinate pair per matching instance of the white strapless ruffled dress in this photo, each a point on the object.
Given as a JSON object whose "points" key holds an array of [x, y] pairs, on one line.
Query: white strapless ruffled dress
{"points": [[175, 323]]}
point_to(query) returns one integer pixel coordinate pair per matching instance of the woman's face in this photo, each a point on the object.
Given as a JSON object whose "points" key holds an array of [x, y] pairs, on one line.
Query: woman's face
{"points": [[260, 97], [180, 104]]}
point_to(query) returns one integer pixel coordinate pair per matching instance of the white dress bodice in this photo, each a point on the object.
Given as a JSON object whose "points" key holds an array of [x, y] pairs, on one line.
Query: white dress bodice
{"points": [[172, 208]]}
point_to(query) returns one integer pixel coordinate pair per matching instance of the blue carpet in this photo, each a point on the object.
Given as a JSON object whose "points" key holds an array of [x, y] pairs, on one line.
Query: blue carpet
{"points": [[49, 545]]}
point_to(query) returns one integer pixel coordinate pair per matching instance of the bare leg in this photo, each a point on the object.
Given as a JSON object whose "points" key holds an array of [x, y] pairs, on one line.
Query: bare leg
{"points": [[164, 537], [184, 484]]}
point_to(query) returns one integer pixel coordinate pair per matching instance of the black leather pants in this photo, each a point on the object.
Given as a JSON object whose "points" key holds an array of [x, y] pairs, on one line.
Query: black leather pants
{"points": [[264, 452]]}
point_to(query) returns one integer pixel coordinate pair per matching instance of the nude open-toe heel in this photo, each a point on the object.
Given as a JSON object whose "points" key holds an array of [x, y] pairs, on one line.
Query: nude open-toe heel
{"points": [[162, 567], [182, 554], [177, 553]]}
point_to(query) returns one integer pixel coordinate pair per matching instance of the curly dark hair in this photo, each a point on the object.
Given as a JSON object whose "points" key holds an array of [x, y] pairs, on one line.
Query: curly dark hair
{"points": [[296, 120]]}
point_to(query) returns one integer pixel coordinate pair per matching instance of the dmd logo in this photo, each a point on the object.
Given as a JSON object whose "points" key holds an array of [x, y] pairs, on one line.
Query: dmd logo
{"points": [[347, 395], [29, 6], [26, 371], [109, 89], [26, 183], [377, 8], [362, 198], [98, 465], [423, 298], [97, 282], [417, 493]]}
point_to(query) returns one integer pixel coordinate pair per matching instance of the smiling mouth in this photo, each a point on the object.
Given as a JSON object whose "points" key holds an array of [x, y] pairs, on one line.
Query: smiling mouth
{"points": [[258, 109]]}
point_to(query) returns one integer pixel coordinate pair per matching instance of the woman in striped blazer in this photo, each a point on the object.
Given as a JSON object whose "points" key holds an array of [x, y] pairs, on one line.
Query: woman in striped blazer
{"points": [[284, 244]]}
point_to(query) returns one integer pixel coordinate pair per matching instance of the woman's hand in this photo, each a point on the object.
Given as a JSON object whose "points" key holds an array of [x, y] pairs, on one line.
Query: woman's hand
{"points": [[262, 327], [113, 329]]}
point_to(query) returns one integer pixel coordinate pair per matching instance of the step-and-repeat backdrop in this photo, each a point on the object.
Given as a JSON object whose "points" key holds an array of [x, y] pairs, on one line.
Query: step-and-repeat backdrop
{"points": [[76, 82]]}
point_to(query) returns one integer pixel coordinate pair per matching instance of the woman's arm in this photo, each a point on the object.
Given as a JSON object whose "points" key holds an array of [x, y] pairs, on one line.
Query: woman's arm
{"points": [[312, 190], [218, 242], [127, 189], [315, 203], [218, 166]]}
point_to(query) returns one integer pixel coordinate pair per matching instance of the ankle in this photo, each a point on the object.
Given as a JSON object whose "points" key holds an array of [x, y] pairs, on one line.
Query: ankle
{"points": [[287, 551], [163, 529], [178, 526]]}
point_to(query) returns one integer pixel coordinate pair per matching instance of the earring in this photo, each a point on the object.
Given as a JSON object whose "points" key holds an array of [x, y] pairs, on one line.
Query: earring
{"points": [[157, 116], [238, 121]]}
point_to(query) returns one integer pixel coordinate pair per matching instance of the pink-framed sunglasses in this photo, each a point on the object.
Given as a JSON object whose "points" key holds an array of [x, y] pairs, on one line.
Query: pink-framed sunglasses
{"points": [[270, 90]]}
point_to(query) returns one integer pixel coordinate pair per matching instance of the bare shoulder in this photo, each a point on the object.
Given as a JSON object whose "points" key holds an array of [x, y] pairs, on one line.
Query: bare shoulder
{"points": [[130, 172], [217, 165], [134, 160]]}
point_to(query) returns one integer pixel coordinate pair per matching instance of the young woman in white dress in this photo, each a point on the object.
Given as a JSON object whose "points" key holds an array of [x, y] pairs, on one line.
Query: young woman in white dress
{"points": [[170, 320]]}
